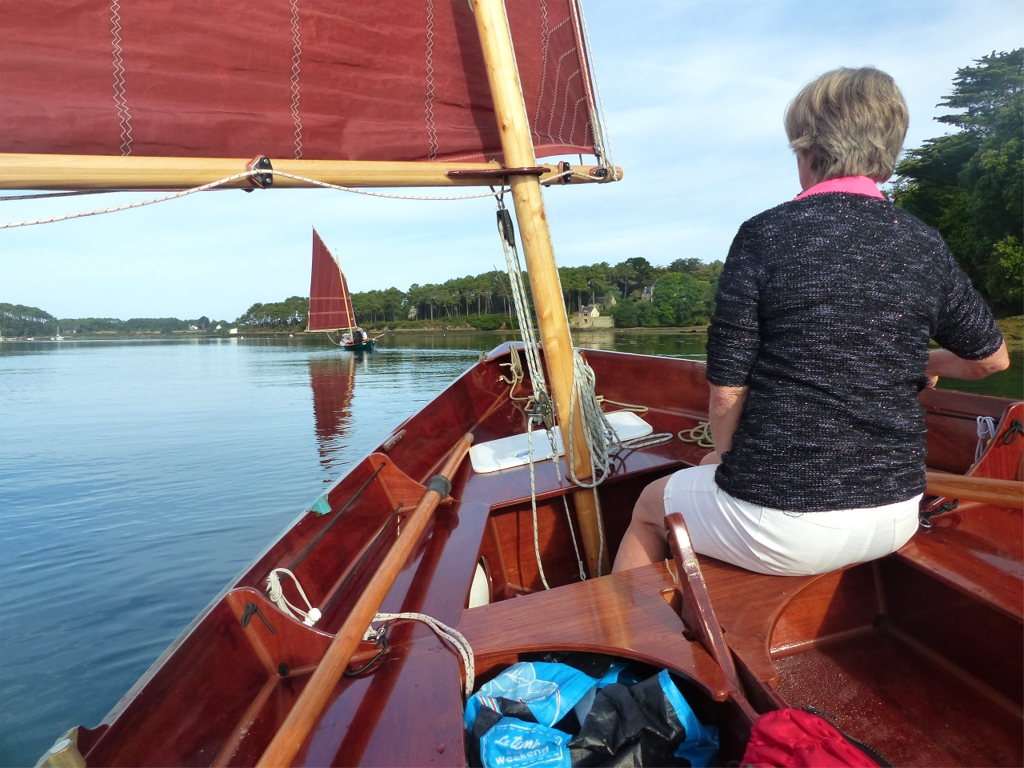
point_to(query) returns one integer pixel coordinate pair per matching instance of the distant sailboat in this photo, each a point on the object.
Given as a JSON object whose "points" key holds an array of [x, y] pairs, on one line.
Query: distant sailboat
{"points": [[330, 304]]}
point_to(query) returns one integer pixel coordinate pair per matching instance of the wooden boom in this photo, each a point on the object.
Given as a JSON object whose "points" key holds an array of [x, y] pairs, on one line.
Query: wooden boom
{"points": [[517, 146], [314, 696], [84, 172]]}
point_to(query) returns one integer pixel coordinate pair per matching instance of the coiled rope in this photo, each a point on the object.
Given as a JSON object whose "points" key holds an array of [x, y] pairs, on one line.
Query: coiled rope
{"points": [[276, 595], [986, 434], [701, 435]]}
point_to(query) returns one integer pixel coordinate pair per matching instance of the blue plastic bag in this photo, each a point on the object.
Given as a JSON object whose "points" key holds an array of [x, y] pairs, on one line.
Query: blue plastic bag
{"points": [[511, 743], [701, 741], [548, 690]]}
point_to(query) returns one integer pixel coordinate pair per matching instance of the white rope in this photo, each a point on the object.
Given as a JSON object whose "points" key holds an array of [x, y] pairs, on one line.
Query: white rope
{"points": [[531, 348], [701, 435], [986, 433], [448, 634], [533, 505], [597, 432], [572, 535], [276, 595], [368, 193], [129, 206], [228, 180]]}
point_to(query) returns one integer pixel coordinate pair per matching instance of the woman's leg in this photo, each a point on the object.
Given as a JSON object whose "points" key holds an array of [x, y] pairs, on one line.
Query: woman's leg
{"points": [[644, 542]]}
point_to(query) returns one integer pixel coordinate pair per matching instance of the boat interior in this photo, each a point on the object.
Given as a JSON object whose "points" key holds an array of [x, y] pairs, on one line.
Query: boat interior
{"points": [[919, 654]]}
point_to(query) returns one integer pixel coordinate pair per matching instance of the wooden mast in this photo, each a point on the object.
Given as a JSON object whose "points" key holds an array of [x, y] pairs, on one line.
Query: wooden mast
{"points": [[517, 145]]}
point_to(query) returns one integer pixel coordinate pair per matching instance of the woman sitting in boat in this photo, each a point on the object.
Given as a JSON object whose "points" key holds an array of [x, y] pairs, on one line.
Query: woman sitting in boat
{"points": [[816, 355]]}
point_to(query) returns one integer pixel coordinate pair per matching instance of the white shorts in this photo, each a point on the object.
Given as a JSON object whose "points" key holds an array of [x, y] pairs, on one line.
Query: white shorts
{"points": [[784, 543]]}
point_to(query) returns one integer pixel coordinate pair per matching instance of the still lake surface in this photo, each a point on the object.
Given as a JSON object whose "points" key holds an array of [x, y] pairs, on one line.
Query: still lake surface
{"points": [[138, 478]]}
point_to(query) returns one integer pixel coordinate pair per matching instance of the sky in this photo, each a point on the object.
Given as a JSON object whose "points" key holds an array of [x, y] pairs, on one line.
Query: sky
{"points": [[694, 94]]}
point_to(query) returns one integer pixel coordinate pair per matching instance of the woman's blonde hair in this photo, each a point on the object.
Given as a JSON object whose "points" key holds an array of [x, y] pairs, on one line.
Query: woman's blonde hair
{"points": [[849, 122]]}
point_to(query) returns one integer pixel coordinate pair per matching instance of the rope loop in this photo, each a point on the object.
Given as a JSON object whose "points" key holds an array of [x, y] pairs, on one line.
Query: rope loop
{"points": [[986, 433], [275, 593], [449, 635], [701, 435]]}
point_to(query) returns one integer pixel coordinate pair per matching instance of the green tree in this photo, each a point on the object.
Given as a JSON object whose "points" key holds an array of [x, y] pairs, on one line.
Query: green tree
{"points": [[681, 298], [970, 185], [287, 315], [626, 314]]}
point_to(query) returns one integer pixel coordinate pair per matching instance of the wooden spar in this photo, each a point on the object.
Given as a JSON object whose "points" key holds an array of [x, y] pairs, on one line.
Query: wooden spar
{"points": [[517, 146], [986, 490], [85, 172], [348, 305], [308, 707]]}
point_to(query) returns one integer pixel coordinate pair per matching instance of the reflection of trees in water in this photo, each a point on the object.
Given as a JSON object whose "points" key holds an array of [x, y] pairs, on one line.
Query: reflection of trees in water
{"points": [[333, 382]]}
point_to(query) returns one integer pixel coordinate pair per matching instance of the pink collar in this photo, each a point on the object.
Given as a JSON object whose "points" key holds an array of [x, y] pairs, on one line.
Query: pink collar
{"points": [[854, 185]]}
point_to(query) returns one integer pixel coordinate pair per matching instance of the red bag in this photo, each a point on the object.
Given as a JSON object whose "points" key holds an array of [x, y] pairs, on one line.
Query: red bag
{"points": [[793, 738]]}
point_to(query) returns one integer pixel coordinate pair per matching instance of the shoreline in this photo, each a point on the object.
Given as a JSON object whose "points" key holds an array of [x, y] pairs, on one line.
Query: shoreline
{"points": [[1012, 329]]}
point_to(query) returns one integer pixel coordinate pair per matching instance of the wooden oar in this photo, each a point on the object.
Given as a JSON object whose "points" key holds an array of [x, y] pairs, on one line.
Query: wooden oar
{"points": [[986, 490], [314, 696]]}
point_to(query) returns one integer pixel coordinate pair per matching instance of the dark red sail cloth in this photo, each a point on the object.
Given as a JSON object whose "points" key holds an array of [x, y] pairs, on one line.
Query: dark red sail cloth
{"points": [[312, 79], [330, 305]]}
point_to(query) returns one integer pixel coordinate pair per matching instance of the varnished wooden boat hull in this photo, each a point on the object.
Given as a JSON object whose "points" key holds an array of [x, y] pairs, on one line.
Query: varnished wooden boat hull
{"points": [[885, 647], [366, 346]]}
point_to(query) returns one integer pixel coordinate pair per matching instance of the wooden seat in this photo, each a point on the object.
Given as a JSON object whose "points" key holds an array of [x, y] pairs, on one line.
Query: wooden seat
{"points": [[623, 614]]}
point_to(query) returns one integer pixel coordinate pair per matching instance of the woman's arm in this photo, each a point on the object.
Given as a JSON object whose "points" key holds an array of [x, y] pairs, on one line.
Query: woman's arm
{"points": [[724, 408], [942, 362]]}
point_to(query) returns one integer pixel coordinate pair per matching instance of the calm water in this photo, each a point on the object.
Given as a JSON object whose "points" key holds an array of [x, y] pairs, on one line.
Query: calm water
{"points": [[136, 479]]}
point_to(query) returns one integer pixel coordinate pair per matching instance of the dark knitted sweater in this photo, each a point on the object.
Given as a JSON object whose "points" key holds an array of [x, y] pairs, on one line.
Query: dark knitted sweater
{"points": [[824, 309]]}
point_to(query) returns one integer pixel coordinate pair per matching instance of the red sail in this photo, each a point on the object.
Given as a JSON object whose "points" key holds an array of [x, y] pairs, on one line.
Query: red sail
{"points": [[330, 306], [313, 79]]}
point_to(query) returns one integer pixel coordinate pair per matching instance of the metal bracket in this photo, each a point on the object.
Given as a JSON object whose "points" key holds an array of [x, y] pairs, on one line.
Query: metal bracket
{"points": [[261, 180]]}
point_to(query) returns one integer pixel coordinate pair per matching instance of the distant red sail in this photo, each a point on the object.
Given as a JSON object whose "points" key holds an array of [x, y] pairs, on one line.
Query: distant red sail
{"points": [[330, 305], [313, 79]]}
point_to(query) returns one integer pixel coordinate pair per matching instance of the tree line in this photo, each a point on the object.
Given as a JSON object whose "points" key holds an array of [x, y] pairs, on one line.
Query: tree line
{"points": [[684, 280], [681, 294], [970, 184], [22, 320]]}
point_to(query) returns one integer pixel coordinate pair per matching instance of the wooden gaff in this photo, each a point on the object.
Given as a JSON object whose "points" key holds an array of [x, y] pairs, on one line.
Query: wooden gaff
{"points": [[83, 172], [517, 146], [310, 704]]}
